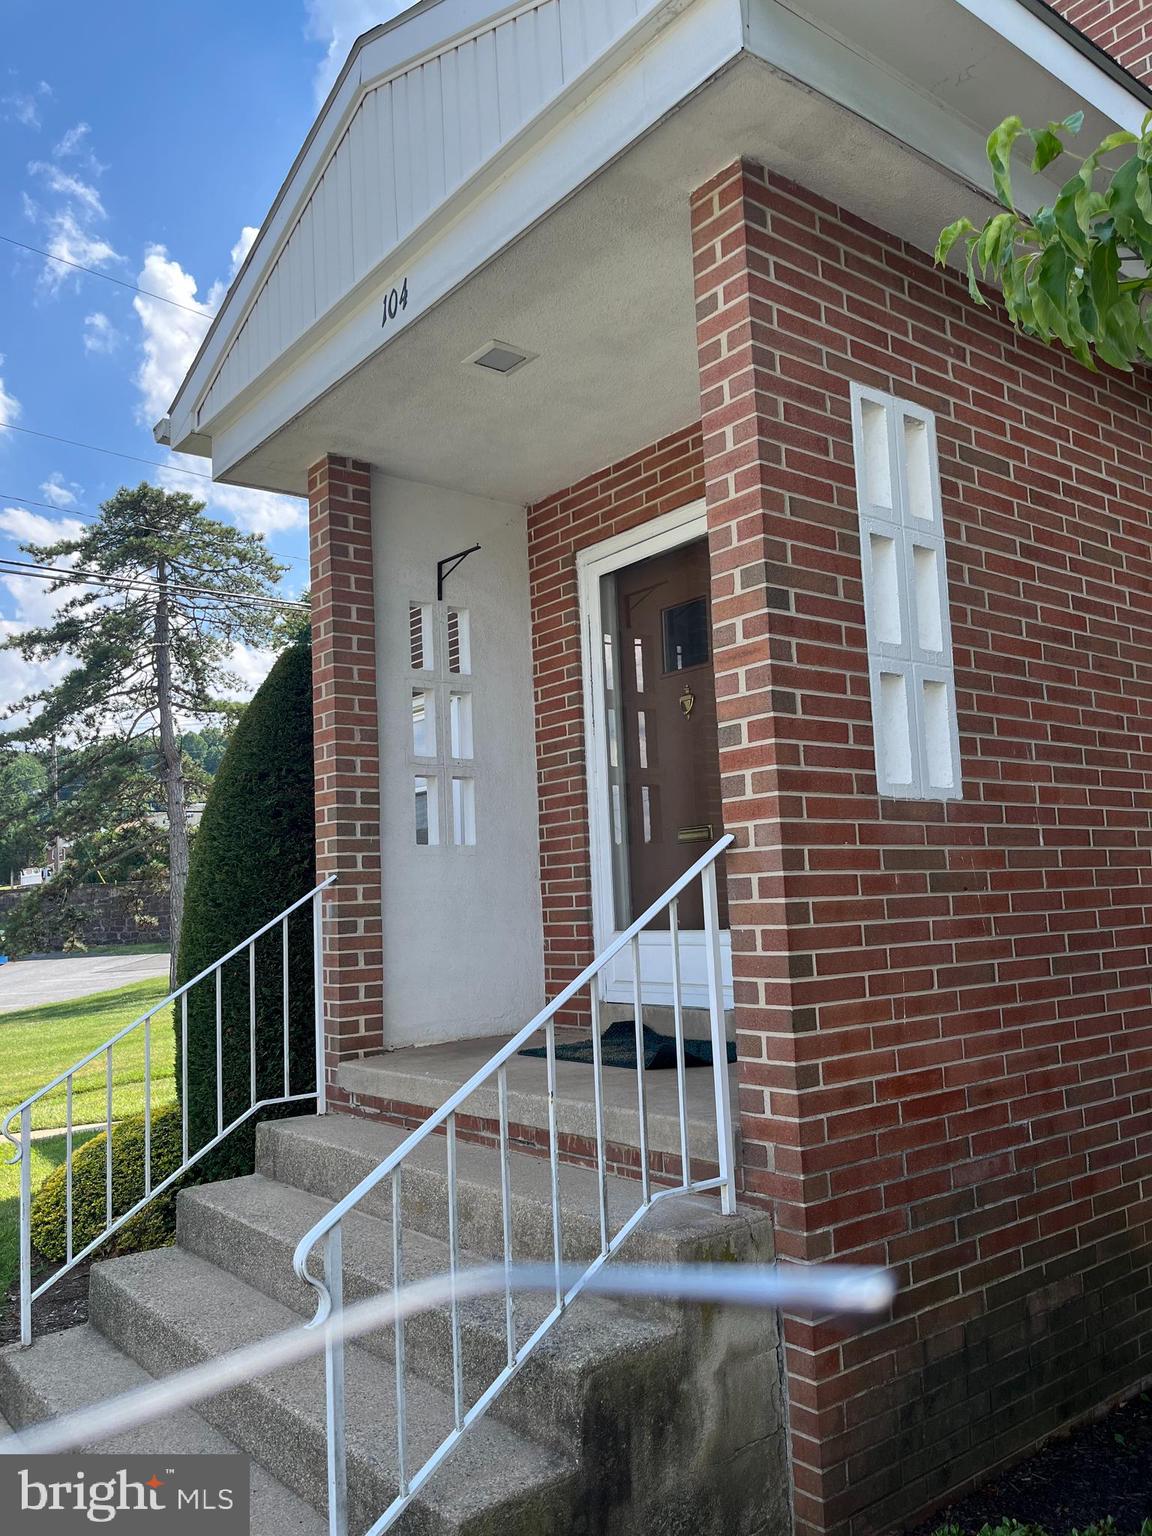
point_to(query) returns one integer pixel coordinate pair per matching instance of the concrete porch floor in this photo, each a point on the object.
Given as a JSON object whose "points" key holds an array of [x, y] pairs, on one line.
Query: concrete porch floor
{"points": [[427, 1075]]}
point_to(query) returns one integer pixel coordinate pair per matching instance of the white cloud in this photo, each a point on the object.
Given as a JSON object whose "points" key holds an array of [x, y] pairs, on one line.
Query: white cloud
{"points": [[337, 24], [34, 605], [253, 511], [171, 336], [35, 602], [9, 405], [71, 242], [65, 185], [24, 106], [59, 492], [251, 666], [18, 677], [100, 335], [169, 341], [70, 213], [74, 142], [245, 243]]}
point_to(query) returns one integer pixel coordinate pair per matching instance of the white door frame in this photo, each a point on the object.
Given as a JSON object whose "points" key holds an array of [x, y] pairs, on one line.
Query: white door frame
{"points": [[682, 526]]}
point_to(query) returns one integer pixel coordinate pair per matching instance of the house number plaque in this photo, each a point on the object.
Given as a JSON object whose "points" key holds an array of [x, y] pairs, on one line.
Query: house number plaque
{"points": [[393, 302]]}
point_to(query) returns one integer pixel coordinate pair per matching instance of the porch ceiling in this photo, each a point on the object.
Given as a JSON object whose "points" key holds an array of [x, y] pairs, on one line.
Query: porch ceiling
{"points": [[601, 290]]}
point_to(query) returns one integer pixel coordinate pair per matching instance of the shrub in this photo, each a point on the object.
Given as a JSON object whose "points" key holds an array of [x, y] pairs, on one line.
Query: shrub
{"points": [[253, 856], [150, 1228]]}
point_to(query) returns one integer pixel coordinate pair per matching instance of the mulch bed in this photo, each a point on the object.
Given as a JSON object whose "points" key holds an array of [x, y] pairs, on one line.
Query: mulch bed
{"points": [[1100, 1469], [62, 1306]]}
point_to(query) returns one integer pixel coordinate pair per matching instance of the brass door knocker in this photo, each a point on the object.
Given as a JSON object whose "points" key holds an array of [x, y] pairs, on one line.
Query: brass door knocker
{"points": [[687, 702]]}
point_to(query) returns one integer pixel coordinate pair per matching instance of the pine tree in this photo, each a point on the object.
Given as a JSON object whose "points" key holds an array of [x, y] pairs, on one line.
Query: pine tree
{"points": [[162, 594]]}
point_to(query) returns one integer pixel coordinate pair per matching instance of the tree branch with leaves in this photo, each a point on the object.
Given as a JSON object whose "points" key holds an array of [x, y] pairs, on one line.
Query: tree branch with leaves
{"points": [[1079, 270]]}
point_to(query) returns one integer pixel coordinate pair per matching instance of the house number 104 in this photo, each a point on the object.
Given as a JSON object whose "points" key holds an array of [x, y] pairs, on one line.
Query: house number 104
{"points": [[395, 300]]}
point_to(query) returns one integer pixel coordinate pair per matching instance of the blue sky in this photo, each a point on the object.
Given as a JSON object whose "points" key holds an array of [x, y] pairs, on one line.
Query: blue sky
{"points": [[148, 141]]}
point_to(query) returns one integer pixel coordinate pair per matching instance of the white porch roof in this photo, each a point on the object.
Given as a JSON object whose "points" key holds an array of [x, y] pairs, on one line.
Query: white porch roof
{"points": [[522, 173]]}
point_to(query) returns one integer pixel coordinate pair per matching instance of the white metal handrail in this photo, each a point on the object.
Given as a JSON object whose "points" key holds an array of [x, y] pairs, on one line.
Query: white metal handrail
{"points": [[838, 1290], [180, 995], [329, 1229]]}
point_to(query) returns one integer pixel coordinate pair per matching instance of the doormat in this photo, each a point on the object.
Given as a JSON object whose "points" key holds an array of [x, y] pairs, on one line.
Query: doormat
{"points": [[618, 1049]]}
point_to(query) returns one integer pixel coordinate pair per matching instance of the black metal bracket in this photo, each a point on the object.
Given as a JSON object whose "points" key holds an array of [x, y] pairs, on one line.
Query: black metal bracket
{"points": [[445, 567]]}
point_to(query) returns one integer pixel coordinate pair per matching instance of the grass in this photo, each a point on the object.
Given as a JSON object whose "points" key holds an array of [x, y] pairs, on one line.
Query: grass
{"points": [[46, 1155], [99, 950], [38, 1043]]}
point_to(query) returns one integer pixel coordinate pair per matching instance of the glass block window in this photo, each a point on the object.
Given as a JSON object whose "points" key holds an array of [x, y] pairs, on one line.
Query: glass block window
{"points": [[441, 728], [906, 598]]}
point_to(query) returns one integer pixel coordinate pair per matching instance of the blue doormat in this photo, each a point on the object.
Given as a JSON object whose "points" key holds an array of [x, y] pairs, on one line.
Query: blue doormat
{"points": [[618, 1049]]}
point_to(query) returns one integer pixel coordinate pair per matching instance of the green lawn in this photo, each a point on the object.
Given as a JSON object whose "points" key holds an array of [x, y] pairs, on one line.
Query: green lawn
{"points": [[46, 1155], [38, 1043]]}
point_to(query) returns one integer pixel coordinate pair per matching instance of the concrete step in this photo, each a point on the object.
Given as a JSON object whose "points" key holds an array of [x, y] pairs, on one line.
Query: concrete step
{"points": [[599, 1353], [425, 1076], [170, 1309], [78, 1366], [327, 1155]]}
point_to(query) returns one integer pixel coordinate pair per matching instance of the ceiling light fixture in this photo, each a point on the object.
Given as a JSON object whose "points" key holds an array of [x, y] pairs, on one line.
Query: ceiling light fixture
{"points": [[501, 357]]}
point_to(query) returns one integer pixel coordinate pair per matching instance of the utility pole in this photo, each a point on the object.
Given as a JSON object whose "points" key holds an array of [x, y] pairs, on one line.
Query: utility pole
{"points": [[173, 766]]}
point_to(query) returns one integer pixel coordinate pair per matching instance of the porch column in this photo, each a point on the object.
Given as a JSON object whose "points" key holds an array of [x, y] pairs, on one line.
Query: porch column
{"points": [[347, 752], [773, 557]]}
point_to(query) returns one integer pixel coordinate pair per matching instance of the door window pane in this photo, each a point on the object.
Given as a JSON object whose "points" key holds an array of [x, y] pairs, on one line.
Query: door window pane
{"points": [[686, 635]]}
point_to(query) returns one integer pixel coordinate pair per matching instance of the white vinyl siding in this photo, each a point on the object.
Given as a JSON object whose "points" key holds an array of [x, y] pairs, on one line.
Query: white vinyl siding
{"points": [[413, 140], [905, 575]]}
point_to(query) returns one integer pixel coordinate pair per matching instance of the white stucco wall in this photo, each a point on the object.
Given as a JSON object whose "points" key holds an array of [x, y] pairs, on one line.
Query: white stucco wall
{"points": [[463, 944]]}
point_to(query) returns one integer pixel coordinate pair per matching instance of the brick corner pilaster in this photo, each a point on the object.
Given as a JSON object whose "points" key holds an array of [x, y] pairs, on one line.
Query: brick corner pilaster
{"points": [[347, 752]]}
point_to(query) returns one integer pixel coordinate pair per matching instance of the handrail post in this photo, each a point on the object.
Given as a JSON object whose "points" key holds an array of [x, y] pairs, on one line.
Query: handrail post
{"points": [[26, 1226], [724, 1140], [318, 1000], [334, 1386]]}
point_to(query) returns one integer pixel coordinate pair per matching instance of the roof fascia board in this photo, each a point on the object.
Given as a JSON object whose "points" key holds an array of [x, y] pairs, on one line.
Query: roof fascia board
{"points": [[1044, 37], [376, 57], [692, 42]]}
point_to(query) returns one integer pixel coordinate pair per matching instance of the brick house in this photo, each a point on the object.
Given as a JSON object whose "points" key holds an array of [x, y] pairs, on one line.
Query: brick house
{"points": [[637, 298]]}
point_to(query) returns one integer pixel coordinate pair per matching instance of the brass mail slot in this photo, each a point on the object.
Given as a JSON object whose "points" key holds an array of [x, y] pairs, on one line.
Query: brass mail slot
{"points": [[700, 834]]}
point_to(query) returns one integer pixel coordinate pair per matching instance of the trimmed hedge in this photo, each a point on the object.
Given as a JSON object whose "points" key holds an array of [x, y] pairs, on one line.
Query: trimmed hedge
{"points": [[254, 854], [152, 1227]]}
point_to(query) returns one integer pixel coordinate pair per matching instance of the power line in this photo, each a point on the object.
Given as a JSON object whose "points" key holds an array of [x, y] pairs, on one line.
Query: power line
{"points": [[108, 278], [86, 515], [141, 584], [114, 453]]}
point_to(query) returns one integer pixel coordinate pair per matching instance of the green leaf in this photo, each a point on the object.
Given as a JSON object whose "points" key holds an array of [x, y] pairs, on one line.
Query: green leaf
{"points": [[973, 286], [949, 237], [1048, 147], [1075, 121], [994, 246], [1067, 219], [1144, 194], [1000, 142]]}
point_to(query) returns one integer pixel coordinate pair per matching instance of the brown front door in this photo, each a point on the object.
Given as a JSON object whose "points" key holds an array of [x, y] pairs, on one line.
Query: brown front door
{"points": [[664, 767]]}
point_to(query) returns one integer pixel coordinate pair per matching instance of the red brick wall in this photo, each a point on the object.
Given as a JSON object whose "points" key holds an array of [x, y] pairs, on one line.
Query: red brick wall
{"points": [[1122, 27], [944, 1008], [347, 751], [658, 479]]}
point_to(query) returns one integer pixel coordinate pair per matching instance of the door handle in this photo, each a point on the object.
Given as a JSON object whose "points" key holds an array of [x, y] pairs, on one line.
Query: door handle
{"points": [[698, 834]]}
